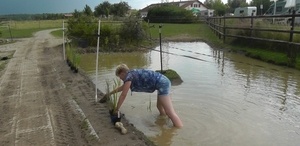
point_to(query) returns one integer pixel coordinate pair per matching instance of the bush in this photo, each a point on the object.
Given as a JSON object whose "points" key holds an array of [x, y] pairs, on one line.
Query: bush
{"points": [[170, 14], [83, 31], [132, 31]]}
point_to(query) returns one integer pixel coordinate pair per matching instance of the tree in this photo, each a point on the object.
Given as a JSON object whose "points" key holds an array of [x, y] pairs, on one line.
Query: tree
{"points": [[103, 9], [266, 4], [132, 30], [219, 7], [233, 4], [77, 13], [208, 3], [120, 9], [87, 11]]}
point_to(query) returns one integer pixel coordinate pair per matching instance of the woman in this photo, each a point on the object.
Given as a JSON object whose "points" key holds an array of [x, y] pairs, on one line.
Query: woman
{"points": [[142, 80]]}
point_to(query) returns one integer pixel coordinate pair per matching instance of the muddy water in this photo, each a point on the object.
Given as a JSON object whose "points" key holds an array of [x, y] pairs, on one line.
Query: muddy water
{"points": [[225, 99]]}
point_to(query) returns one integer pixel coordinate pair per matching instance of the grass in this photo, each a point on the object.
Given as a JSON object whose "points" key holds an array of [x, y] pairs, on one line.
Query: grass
{"points": [[266, 51], [196, 31], [170, 74], [171, 30], [57, 33], [24, 29], [84, 125]]}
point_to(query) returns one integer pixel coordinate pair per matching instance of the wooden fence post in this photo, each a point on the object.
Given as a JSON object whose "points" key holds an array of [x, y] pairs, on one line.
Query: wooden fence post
{"points": [[292, 26], [251, 25], [291, 52], [224, 30], [214, 25], [219, 27]]}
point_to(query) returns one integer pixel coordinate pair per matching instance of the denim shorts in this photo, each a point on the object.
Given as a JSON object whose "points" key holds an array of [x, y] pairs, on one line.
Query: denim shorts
{"points": [[163, 86]]}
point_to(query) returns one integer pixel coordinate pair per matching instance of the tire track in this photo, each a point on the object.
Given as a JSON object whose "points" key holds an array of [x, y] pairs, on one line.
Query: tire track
{"points": [[57, 100]]}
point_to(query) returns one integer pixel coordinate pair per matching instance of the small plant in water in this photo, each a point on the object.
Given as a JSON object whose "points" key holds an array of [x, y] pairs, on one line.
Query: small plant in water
{"points": [[113, 98], [149, 106]]}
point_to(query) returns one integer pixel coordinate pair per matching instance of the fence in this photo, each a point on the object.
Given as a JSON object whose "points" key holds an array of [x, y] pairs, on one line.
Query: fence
{"points": [[254, 27], [279, 23]]}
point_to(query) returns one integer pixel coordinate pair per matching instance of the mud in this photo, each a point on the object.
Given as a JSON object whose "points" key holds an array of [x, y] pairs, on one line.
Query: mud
{"points": [[42, 102]]}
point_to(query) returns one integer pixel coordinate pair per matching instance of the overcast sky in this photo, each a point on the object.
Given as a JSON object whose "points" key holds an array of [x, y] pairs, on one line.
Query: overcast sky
{"points": [[63, 6]]}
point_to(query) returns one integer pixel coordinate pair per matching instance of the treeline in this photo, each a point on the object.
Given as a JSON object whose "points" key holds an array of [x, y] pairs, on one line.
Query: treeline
{"points": [[45, 16], [104, 9]]}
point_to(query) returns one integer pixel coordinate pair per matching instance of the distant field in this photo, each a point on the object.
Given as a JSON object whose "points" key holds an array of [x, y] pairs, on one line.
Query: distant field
{"points": [[172, 30], [57, 33], [21, 29]]}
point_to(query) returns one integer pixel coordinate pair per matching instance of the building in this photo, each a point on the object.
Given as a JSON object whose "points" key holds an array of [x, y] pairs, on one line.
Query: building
{"points": [[207, 13], [193, 5]]}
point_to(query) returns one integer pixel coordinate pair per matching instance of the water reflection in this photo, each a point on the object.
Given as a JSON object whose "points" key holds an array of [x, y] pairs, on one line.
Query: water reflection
{"points": [[277, 83], [166, 134], [108, 61]]}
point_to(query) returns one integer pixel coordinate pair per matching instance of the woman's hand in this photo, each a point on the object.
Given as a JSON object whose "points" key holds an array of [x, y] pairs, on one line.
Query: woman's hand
{"points": [[122, 97]]}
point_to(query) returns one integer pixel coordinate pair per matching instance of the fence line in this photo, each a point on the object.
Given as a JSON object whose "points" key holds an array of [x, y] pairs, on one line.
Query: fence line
{"points": [[221, 29]]}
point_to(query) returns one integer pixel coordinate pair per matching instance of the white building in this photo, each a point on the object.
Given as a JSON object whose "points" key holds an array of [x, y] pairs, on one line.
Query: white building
{"points": [[193, 5]]}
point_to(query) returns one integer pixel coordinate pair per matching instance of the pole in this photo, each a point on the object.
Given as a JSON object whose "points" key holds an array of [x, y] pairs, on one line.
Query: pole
{"points": [[292, 26], [11, 38], [161, 68], [64, 48], [274, 11], [224, 29], [98, 40]]}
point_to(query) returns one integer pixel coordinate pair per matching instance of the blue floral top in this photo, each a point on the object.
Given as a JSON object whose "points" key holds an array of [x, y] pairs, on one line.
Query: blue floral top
{"points": [[143, 80]]}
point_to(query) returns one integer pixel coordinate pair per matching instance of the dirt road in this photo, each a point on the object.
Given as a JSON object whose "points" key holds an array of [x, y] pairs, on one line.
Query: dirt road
{"points": [[43, 103]]}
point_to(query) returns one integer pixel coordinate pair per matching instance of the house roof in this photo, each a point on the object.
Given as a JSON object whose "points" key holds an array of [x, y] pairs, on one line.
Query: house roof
{"points": [[186, 3], [68, 15]]}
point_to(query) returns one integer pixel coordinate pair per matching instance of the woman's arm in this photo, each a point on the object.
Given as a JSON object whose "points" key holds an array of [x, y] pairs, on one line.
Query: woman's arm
{"points": [[107, 95], [122, 97], [117, 90]]}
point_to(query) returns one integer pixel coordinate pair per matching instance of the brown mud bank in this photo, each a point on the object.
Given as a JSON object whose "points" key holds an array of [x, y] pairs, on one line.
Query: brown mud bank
{"points": [[98, 113], [42, 102]]}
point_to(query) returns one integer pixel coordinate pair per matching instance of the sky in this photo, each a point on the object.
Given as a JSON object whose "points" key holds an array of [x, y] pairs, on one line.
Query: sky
{"points": [[63, 6]]}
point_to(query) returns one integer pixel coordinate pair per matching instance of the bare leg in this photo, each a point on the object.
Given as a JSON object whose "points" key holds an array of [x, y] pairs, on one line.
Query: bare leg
{"points": [[160, 108], [166, 103]]}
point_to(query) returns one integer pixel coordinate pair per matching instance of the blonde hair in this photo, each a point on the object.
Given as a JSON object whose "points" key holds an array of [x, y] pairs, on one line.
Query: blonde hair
{"points": [[121, 68]]}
